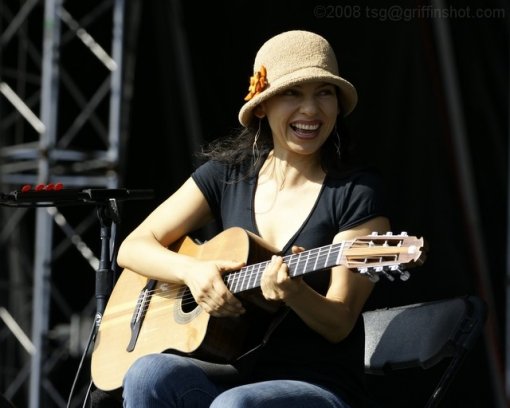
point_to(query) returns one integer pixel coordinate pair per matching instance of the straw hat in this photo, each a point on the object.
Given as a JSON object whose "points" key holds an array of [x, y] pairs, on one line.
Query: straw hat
{"points": [[291, 58]]}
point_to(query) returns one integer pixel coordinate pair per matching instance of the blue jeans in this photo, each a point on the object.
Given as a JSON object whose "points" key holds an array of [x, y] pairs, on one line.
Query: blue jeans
{"points": [[167, 380]]}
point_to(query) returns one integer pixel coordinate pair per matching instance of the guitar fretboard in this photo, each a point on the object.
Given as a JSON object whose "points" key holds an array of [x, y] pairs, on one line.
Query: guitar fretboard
{"points": [[299, 264]]}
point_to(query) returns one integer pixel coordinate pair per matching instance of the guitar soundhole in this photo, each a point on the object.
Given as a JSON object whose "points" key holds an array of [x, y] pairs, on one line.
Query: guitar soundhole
{"points": [[188, 303], [186, 309]]}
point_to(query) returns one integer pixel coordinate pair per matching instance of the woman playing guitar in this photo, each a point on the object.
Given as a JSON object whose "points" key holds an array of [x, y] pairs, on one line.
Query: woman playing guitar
{"points": [[286, 179]]}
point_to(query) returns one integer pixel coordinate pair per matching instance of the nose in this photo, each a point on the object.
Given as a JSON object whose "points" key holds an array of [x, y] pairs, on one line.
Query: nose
{"points": [[308, 105]]}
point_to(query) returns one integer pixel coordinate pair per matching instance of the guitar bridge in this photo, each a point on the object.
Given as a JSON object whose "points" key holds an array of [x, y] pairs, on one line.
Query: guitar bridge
{"points": [[142, 305]]}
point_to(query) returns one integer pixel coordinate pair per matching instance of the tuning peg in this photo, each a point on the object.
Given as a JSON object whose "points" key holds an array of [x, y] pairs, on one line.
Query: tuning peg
{"points": [[366, 271], [383, 270], [403, 233], [389, 233], [378, 270], [388, 276], [374, 233], [404, 275], [373, 278]]}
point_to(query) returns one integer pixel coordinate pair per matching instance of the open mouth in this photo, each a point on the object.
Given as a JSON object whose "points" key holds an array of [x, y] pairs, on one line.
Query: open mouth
{"points": [[306, 130]]}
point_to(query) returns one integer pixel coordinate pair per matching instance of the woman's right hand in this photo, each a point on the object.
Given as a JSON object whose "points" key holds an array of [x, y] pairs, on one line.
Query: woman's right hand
{"points": [[209, 290]]}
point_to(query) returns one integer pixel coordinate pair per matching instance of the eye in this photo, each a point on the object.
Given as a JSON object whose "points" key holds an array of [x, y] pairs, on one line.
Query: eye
{"points": [[327, 91], [289, 92]]}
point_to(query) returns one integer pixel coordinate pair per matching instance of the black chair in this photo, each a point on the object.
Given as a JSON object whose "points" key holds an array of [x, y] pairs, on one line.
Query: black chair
{"points": [[420, 336]]}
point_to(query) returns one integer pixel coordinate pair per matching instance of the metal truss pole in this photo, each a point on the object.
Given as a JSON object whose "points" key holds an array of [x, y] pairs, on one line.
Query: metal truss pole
{"points": [[47, 149], [43, 229], [116, 83]]}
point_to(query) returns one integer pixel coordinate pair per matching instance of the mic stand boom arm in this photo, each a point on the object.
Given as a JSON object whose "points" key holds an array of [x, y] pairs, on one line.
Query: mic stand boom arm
{"points": [[71, 196]]}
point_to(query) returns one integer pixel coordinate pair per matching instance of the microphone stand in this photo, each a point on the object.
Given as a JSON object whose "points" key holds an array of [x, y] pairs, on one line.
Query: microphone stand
{"points": [[105, 201], [108, 214], [107, 211]]}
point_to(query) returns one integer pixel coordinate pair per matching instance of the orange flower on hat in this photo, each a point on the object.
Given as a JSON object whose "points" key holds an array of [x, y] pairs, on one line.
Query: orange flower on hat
{"points": [[258, 83]]}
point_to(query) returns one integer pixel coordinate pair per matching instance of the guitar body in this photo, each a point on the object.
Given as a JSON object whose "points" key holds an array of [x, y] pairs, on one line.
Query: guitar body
{"points": [[145, 316], [173, 322]]}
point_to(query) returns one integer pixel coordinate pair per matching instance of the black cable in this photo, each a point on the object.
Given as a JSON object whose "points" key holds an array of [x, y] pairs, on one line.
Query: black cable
{"points": [[90, 341]]}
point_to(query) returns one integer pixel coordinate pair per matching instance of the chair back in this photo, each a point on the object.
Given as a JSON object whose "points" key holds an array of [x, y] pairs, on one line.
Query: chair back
{"points": [[422, 335]]}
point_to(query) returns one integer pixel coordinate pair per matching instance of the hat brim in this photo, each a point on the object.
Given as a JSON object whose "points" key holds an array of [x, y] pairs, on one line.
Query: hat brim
{"points": [[348, 94]]}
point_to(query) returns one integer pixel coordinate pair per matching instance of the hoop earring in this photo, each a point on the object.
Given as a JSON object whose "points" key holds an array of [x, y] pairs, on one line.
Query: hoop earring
{"points": [[337, 141], [254, 148]]}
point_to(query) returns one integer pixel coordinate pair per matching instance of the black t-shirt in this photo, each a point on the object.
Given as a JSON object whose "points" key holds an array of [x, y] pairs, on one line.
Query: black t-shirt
{"points": [[293, 350]]}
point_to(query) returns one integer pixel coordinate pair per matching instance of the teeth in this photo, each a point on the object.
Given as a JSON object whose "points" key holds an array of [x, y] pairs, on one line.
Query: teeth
{"points": [[303, 126]]}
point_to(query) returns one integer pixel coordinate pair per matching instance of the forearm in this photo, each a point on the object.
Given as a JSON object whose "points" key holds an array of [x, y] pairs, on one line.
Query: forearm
{"points": [[332, 319], [146, 256], [149, 258]]}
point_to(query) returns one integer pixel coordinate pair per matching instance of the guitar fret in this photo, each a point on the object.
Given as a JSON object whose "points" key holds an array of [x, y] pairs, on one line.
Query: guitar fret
{"points": [[319, 262], [239, 278], [306, 265], [228, 281], [242, 277], [340, 248], [317, 257], [257, 277], [297, 271], [235, 281], [252, 277], [327, 256], [248, 271], [305, 268]]}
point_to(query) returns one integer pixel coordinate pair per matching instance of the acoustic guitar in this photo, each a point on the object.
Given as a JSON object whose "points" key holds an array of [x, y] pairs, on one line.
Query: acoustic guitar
{"points": [[145, 316]]}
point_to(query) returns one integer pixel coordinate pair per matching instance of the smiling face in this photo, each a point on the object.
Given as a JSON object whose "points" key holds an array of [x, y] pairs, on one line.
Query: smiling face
{"points": [[301, 117]]}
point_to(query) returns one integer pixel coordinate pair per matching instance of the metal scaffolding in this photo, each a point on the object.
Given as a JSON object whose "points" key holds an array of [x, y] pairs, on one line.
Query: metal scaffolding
{"points": [[61, 104]]}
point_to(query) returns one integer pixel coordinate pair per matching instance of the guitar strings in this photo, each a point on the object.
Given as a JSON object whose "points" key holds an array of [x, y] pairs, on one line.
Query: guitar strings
{"points": [[253, 272], [237, 280], [234, 278], [188, 299]]}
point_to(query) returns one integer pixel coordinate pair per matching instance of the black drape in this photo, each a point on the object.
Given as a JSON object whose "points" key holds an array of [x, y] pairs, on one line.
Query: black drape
{"points": [[402, 124]]}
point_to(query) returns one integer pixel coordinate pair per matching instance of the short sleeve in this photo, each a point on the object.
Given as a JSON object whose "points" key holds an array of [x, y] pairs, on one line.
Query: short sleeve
{"points": [[211, 178], [360, 199]]}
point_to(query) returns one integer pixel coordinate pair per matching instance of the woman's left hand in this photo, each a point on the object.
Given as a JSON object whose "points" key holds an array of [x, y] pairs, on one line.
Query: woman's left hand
{"points": [[276, 284]]}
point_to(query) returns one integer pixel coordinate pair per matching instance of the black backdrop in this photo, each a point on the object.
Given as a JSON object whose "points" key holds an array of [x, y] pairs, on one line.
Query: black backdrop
{"points": [[402, 124]]}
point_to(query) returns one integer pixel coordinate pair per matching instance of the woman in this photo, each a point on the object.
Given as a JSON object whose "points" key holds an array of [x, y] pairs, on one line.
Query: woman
{"points": [[285, 180]]}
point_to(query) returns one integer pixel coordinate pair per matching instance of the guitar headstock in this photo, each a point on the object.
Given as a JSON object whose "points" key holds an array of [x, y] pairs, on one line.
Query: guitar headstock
{"points": [[385, 254]]}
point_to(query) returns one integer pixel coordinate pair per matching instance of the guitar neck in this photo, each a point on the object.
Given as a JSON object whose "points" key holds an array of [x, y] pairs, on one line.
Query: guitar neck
{"points": [[299, 264], [371, 255]]}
